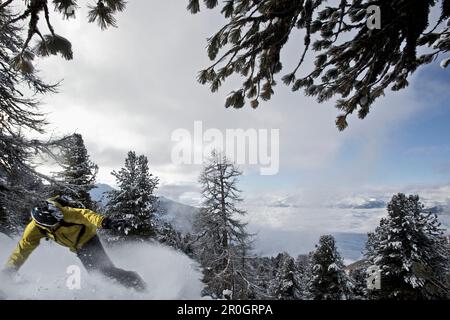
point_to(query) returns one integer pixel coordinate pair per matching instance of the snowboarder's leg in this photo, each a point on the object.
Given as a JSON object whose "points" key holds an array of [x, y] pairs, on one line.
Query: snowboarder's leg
{"points": [[94, 258]]}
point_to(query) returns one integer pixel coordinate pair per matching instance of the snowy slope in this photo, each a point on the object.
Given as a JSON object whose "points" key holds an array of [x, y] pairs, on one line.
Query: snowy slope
{"points": [[169, 274]]}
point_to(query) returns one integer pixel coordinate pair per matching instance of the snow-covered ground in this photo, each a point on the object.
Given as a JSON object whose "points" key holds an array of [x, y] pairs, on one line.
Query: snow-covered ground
{"points": [[168, 273]]}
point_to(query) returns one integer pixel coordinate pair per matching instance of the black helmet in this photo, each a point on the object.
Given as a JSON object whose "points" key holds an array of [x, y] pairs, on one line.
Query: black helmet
{"points": [[47, 214]]}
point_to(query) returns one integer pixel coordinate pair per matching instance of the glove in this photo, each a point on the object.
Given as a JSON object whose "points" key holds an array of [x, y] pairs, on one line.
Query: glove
{"points": [[117, 224]]}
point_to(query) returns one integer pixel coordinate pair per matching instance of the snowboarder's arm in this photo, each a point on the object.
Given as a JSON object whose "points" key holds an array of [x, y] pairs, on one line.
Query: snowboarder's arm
{"points": [[82, 216], [30, 240]]}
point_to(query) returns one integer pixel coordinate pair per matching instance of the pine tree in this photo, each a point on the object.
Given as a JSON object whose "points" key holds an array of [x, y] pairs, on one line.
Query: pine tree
{"points": [[187, 245], [223, 243], [20, 87], [410, 249], [5, 226], [102, 12], [351, 60], [358, 278], [328, 278], [286, 285], [20, 189], [134, 201], [19, 91], [23, 198], [304, 268], [168, 236], [79, 172], [263, 276]]}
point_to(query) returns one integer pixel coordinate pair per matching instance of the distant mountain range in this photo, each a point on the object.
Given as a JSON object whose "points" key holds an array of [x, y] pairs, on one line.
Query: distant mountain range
{"points": [[370, 203], [99, 193], [354, 203], [349, 203]]}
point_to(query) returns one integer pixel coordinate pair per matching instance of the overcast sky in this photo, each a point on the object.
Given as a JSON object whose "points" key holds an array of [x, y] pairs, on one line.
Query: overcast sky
{"points": [[129, 88]]}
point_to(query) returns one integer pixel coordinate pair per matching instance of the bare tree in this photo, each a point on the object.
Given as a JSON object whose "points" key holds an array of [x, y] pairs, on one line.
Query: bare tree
{"points": [[223, 242]]}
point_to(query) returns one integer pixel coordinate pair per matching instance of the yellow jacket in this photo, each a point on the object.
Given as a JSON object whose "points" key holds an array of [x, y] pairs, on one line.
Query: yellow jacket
{"points": [[77, 228]]}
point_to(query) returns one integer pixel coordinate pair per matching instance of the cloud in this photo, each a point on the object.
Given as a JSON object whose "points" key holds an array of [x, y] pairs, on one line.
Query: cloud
{"points": [[129, 88], [296, 225]]}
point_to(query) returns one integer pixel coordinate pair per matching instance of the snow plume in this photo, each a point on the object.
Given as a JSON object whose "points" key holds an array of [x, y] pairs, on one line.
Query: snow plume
{"points": [[168, 273]]}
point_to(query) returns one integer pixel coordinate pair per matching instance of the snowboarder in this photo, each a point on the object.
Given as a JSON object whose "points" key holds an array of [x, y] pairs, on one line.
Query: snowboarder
{"points": [[75, 228]]}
